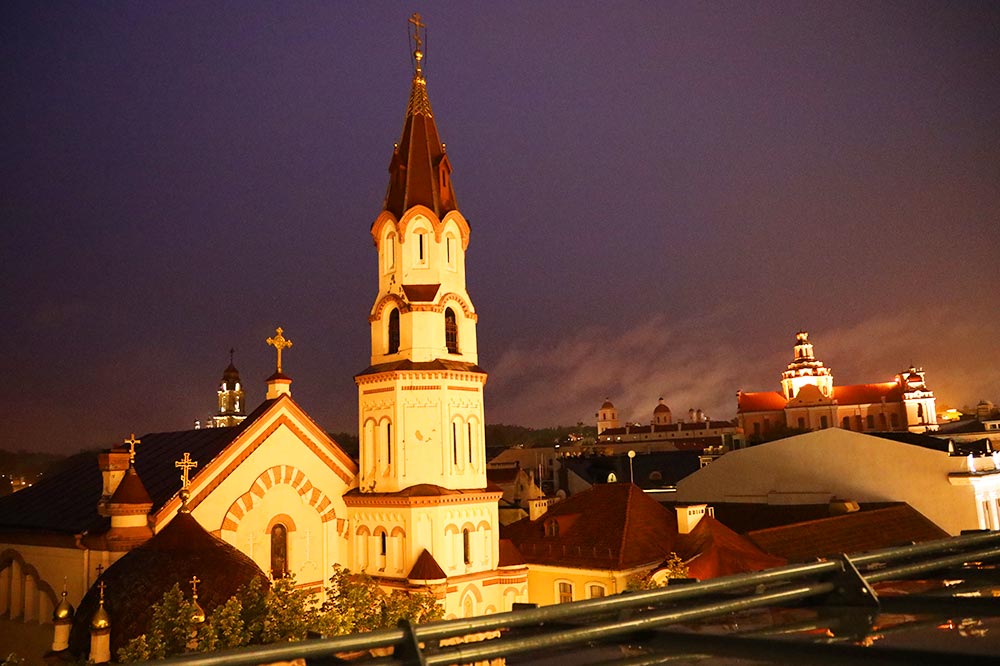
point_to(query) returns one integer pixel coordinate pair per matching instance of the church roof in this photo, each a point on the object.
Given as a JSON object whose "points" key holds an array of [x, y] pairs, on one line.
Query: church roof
{"points": [[133, 584], [406, 364], [860, 394], [426, 568], [66, 502], [762, 401], [131, 490], [419, 172]]}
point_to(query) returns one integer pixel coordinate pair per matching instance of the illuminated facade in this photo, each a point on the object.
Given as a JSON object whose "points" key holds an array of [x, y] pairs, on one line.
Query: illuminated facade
{"points": [[422, 514], [810, 400], [697, 432]]}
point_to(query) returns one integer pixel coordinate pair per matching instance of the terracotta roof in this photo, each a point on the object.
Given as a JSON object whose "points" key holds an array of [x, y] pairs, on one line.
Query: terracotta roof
{"points": [[607, 405], [426, 568], [138, 580], [764, 401], [406, 364], [849, 533], [419, 172], [860, 394], [610, 526], [510, 556], [617, 526], [421, 293], [712, 549]]}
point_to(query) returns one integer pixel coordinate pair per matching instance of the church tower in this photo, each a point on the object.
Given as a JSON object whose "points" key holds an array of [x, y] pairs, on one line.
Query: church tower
{"points": [[805, 369], [422, 515], [232, 409], [421, 401]]}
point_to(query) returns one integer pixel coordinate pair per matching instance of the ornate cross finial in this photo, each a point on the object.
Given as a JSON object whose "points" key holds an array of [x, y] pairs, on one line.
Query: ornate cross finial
{"points": [[279, 342], [100, 570], [194, 587], [186, 465], [100, 590], [132, 441], [418, 25]]}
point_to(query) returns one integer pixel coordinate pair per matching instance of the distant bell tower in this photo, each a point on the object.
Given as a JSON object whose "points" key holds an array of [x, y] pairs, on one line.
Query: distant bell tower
{"points": [[420, 402], [805, 369], [232, 408]]}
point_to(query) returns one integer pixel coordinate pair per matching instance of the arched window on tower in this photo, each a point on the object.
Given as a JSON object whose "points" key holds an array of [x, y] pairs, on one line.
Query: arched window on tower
{"points": [[279, 551], [390, 252], [393, 331], [920, 413], [466, 546], [450, 331]]}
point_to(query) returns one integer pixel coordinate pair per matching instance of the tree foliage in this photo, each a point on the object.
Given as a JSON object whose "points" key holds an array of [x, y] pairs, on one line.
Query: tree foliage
{"points": [[258, 615], [672, 567]]}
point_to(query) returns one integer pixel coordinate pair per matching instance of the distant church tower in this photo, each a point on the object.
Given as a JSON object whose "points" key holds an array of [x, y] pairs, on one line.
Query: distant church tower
{"points": [[805, 369], [232, 408], [422, 512]]}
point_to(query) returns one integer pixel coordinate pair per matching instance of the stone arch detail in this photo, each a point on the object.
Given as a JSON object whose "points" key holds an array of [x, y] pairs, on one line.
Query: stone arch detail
{"points": [[279, 474], [386, 301], [452, 297]]}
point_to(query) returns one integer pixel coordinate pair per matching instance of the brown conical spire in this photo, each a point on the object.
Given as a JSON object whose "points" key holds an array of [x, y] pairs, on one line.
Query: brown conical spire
{"points": [[419, 173]]}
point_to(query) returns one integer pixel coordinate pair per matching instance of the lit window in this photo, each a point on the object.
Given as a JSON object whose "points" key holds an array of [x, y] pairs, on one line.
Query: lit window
{"points": [[565, 592], [596, 591]]}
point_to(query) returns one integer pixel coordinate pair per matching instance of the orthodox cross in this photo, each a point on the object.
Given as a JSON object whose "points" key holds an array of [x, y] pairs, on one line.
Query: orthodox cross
{"points": [[100, 589], [418, 24], [186, 465], [194, 587], [100, 569], [279, 342], [132, 441]]}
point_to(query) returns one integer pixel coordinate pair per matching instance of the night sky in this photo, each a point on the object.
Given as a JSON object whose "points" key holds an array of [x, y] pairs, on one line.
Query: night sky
{"points": [[660, 194]]}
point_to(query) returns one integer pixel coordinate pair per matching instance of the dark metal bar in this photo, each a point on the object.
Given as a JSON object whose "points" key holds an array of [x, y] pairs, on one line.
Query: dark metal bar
{"points": [[950, 606], [926, 566], [472, 652], [672, 644], [926, 547]]}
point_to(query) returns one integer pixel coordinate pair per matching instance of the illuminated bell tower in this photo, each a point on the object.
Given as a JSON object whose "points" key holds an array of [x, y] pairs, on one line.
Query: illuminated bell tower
{"points": [[805, 369], [420, 403], [232, 408]]}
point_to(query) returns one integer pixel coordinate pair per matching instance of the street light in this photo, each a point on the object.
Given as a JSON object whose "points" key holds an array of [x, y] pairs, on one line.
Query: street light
{"points": [[631, 476]]}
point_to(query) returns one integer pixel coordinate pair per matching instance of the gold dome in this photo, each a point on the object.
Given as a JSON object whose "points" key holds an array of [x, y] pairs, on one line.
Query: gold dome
{"points": [[100, 619], [64, 611], [198, 615]]}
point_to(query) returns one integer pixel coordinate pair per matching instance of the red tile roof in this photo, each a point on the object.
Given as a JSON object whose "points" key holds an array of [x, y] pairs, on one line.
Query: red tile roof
{"points": [[765, 401], [617, 526], [849, 533], [860, 394], [510, 556]]}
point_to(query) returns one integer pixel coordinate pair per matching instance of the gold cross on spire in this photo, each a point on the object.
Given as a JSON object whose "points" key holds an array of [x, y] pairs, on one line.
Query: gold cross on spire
{"points": [[100, 589], [279, 342], [186, 465], [418, 25], [100, 569], [194, 586], [132, 441]]}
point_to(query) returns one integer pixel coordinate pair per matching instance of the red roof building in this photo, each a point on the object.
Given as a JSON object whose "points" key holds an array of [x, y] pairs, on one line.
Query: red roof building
{"points": [[809, 400]]}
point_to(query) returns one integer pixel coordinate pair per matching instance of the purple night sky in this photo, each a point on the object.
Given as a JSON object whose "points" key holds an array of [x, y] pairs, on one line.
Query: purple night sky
{"points": [[661, 194]]}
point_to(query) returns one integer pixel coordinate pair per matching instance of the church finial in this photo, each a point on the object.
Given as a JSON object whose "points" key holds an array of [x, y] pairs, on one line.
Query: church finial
{"points": [[186, 465], [132, 441], [418, 54], [279, 342]]}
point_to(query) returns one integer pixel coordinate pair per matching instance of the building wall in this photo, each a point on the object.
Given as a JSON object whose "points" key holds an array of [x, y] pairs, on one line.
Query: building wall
{"points": [[544, 582], [844, 464]]}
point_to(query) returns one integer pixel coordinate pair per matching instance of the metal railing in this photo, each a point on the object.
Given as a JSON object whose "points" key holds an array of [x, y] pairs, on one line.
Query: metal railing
{"points": [[830, 583]]}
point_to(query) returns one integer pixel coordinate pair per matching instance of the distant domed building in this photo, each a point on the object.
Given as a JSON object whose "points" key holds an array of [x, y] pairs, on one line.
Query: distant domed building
{"points": [[809, 400]]}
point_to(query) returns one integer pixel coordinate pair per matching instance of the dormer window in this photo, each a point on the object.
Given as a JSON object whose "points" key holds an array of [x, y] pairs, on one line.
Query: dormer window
{"points": [[552, 528]]}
